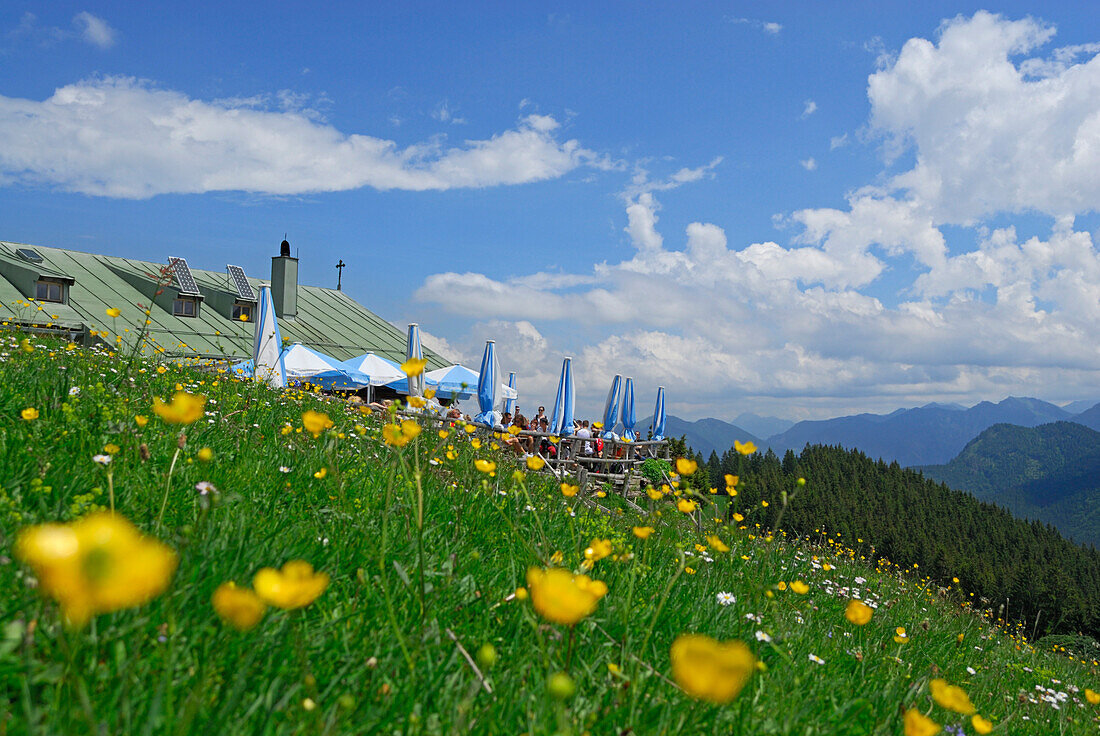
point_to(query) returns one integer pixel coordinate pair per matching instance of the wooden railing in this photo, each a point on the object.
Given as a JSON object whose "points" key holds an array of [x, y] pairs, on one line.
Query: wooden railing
{"points": [[617, 462]]}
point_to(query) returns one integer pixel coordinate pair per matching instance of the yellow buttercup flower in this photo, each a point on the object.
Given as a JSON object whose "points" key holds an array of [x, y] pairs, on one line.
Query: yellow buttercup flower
{"points": [[782, 585], [241, 608], [410, 428], [186, 408], [416, 402], [569, 491], [535, 462], [643, 532], [654, 494], [980, 724], [738, 517], [98, 564], [746, 448], [562, 597], [900, 636], [29, 414], [141, 420], [475, 443], [295, 586], [485, 466], [320, 474], [205, 454], [1092, 697], [711, 670], [918, 724], [598, 549], [316, 422], [684, 466], [414, 366], [717, 544], [800, 587], [686, 506], [858, 612], [392, 435], [113, 312], [732, 480], [951, 697]]}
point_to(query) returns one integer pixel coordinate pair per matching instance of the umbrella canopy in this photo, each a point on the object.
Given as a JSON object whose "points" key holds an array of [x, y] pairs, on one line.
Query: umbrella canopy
{"points": [[267, 344], [488, 386], [611, 407], [628, 417], [244, 369], [302, 362], [510, 401], [415, 384], [378, 371], [455, 381], [659, 415], [561, 421]]}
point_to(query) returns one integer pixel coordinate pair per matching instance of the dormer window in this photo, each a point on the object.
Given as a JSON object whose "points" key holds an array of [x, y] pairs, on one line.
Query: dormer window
{"points": [[185, 306], [242, 312], [49, 290]]}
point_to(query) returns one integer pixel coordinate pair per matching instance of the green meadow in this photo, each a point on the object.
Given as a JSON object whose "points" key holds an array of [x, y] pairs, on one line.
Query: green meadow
{"points": [[425, 622]]}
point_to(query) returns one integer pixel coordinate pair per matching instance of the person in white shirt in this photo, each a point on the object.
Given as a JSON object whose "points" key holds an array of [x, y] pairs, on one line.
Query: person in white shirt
{"points": [[585, 433]]}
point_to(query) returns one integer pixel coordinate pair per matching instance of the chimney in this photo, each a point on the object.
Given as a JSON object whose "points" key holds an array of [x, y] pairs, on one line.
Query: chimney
{"points": [[284, 282]]}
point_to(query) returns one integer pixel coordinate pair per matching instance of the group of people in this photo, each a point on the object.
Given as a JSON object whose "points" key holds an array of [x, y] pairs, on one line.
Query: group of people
{"points": [[529, 444]]}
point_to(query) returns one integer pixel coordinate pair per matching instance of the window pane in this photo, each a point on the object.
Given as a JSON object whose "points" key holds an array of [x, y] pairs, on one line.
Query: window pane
{"points": [[184, 307], [48, 291]]}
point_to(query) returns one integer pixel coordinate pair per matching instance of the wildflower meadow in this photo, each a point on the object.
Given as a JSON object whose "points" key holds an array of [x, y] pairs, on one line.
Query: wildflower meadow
{"points": [[185, 552]]}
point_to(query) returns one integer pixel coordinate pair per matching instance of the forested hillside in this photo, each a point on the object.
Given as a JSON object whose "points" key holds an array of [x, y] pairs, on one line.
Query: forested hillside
{"points": [[1050, 473], [883, 510]]}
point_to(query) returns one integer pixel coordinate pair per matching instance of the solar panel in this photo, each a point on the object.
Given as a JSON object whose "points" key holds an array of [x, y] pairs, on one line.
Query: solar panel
{"points": [[29, 255], [184, 278], [240, 281]]}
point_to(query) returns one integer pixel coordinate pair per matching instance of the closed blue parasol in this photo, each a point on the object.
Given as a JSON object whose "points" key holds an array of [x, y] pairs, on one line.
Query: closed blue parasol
{"points": [[510, 401], [628, 417], [611, 407], [659, 415], [561, 421], [267, 344], [488, 382], [413, 350]]}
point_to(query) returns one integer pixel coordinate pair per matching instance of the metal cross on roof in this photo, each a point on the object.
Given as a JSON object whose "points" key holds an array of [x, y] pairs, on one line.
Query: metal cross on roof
{"points": [[340, 273]]}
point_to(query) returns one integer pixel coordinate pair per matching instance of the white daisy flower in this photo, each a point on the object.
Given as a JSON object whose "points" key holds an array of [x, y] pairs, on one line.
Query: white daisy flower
{"points": [[101, 459], [726, 599]]}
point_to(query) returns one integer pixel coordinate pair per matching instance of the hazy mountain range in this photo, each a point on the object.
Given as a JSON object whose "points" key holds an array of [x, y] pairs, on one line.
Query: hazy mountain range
{"points": [[1038, 460], [927, 435]]}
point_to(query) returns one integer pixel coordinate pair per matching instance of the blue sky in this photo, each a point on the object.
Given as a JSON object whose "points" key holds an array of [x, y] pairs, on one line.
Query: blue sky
{"points": [[801, 210]]}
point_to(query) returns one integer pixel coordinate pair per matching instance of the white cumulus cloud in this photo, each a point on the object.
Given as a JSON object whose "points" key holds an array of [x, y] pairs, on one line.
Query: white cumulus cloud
{"points": [[121, 137], [95, 30]]}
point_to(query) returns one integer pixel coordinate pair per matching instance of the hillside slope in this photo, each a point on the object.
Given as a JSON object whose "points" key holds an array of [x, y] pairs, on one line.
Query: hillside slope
{"points": [[917, 522], [1050, 473], [923, 436], [407, 577]]}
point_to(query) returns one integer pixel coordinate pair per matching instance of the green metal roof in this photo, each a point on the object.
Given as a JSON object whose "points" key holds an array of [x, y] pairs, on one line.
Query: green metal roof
{"points": [[327, 320]]}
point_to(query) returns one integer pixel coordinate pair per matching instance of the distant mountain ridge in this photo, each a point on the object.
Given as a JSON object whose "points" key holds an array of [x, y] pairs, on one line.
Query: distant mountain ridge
{"points": [[704, 435], [762, 426], [1050, 472], [927, 435]]}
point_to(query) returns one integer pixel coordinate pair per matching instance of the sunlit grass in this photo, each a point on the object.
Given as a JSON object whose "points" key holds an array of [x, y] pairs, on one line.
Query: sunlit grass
{"points": [[436, 586]]}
